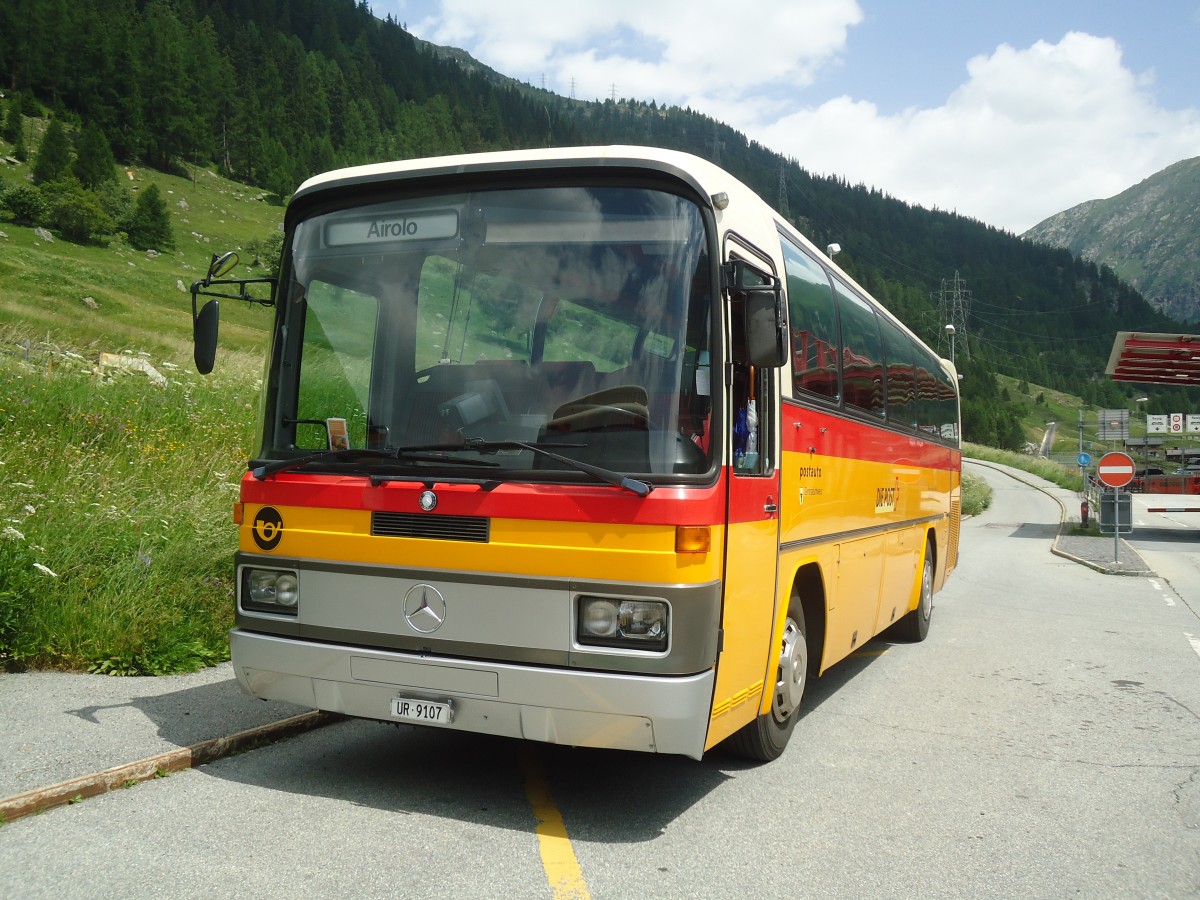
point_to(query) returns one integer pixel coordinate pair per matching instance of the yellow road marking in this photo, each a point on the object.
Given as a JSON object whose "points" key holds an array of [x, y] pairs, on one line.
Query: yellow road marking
{"points": [[558, 857]]}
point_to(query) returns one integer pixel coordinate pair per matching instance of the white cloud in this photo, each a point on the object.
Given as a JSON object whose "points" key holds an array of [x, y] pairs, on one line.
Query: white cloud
{"points": [[686, 52], [1029, 133]]}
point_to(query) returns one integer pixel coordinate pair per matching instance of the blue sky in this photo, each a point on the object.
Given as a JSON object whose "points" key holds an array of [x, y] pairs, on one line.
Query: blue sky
{"points": [[1007, 111]]}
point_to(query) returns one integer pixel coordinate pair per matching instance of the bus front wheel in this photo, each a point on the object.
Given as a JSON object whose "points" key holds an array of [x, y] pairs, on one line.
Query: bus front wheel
{"points": [[765, 738]]}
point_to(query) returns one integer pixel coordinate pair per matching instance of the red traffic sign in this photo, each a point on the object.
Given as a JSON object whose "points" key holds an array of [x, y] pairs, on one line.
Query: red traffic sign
{"points": [[1115, 469]]}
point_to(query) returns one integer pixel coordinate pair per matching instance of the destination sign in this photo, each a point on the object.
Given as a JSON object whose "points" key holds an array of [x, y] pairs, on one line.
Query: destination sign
{"points": [[417, 226]]}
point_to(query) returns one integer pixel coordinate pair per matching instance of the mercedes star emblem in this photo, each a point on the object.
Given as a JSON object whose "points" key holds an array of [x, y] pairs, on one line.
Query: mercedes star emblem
{"points": [[424, 608]]}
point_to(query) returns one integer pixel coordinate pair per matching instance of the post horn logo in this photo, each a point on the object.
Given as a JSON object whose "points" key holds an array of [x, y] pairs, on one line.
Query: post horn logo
{"points": [[267, 528]]}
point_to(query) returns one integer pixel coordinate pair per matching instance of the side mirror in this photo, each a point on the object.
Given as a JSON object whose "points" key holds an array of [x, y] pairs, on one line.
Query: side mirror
{"points": [[204, 336], [764, 331], [222, 265], [204, 321], [759, 324]]}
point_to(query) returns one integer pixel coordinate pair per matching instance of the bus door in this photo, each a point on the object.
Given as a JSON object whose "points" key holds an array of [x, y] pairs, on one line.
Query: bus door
{"points": [[748, 658]]}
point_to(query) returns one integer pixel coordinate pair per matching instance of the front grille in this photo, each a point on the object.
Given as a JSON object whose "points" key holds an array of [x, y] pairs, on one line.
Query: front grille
{"points": [[431, 527]]}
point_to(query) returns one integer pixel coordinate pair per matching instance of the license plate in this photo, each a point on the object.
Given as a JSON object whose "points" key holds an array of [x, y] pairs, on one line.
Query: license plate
{"points": [[425, 711]]}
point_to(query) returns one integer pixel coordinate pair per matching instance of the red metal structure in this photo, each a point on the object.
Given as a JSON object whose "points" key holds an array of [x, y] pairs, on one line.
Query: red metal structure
{"points": [[1148, 358]]}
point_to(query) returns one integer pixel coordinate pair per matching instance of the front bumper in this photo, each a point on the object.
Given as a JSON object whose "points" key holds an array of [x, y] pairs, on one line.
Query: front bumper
{"points": [[656, 714]]}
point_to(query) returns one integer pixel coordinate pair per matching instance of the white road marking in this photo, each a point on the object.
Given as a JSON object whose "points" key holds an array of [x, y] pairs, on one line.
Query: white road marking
{"points": [[1170, 601], [1194, 641]]}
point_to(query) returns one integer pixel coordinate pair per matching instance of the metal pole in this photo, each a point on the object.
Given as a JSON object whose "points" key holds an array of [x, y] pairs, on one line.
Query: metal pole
{"points": [[1116, 525]]}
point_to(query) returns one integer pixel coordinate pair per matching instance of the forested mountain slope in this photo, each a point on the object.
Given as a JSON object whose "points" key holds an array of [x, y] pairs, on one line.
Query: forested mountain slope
{"points": [[271, 91]]}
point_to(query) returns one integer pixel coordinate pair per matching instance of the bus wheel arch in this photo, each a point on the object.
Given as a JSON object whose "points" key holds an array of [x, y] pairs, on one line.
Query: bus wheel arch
{"points": [[765, 738], [809, 587]]}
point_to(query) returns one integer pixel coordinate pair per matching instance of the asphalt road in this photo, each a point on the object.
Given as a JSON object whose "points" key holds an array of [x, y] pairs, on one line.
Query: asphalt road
{"points": [[1043, 742]]}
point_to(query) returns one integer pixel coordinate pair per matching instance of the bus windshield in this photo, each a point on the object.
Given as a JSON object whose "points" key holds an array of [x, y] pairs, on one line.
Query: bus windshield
{"points": [[576, 319]]}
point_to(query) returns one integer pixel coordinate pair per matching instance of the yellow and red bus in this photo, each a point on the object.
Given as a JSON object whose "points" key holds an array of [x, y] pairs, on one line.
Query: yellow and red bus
{"points": [[586, 446]]}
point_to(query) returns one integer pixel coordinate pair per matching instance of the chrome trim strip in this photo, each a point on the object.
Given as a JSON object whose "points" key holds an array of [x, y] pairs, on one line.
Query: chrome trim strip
{"points": [[383, 570], [838, 537]]}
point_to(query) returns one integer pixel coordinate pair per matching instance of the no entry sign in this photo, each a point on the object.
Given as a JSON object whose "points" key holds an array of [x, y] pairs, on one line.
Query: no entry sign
{"points": [[1115, 469]]}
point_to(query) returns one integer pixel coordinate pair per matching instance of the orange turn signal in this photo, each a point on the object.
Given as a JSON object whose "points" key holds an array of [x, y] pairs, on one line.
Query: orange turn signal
{"points": [[238, 511], [692, 539]]}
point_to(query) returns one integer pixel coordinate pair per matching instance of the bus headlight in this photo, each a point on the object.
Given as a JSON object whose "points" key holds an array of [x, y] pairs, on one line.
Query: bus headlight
{"points": [[271, 590], [628, 624]]}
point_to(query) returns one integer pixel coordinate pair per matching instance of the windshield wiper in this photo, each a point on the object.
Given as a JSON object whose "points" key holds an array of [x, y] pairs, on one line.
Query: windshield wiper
{"points": [[432, 453], [415, 454], [641, 488]]}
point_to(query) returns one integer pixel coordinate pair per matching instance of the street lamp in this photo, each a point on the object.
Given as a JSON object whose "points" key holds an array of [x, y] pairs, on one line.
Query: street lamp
{"points": [[1145, 435]]}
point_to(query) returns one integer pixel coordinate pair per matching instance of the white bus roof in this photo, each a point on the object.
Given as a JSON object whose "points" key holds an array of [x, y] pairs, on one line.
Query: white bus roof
{"points": [[706, 177]]}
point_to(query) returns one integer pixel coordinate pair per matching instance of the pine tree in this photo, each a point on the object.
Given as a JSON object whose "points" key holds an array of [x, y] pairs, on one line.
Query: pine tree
{"points": [[12, 122], [94, 161], [168, 100], [149, 227], [53, 156]]}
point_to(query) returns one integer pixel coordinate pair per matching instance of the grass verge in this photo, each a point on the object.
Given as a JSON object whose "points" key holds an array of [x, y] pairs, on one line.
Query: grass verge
{"points": [[976, 495], [116, 540], [1044, 468]]}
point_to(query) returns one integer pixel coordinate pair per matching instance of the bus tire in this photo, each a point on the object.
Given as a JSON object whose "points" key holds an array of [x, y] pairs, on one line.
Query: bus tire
{"points": [[765, 738], [915, 626]]}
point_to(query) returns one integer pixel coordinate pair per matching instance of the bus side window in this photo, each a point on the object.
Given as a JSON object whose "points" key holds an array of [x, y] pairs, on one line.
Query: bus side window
{"points": [[901, 374], [812, 314], [937, 400], [862, 352], [753, 389], [753, 400]]}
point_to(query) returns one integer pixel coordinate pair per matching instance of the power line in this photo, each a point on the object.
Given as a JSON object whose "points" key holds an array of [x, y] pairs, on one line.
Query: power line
{"points": [[954, 306]]}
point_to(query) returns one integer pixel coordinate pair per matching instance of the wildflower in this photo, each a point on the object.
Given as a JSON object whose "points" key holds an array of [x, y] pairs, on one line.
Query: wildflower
{"points": [[44, 570], [29, 509], [11, 534]]}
